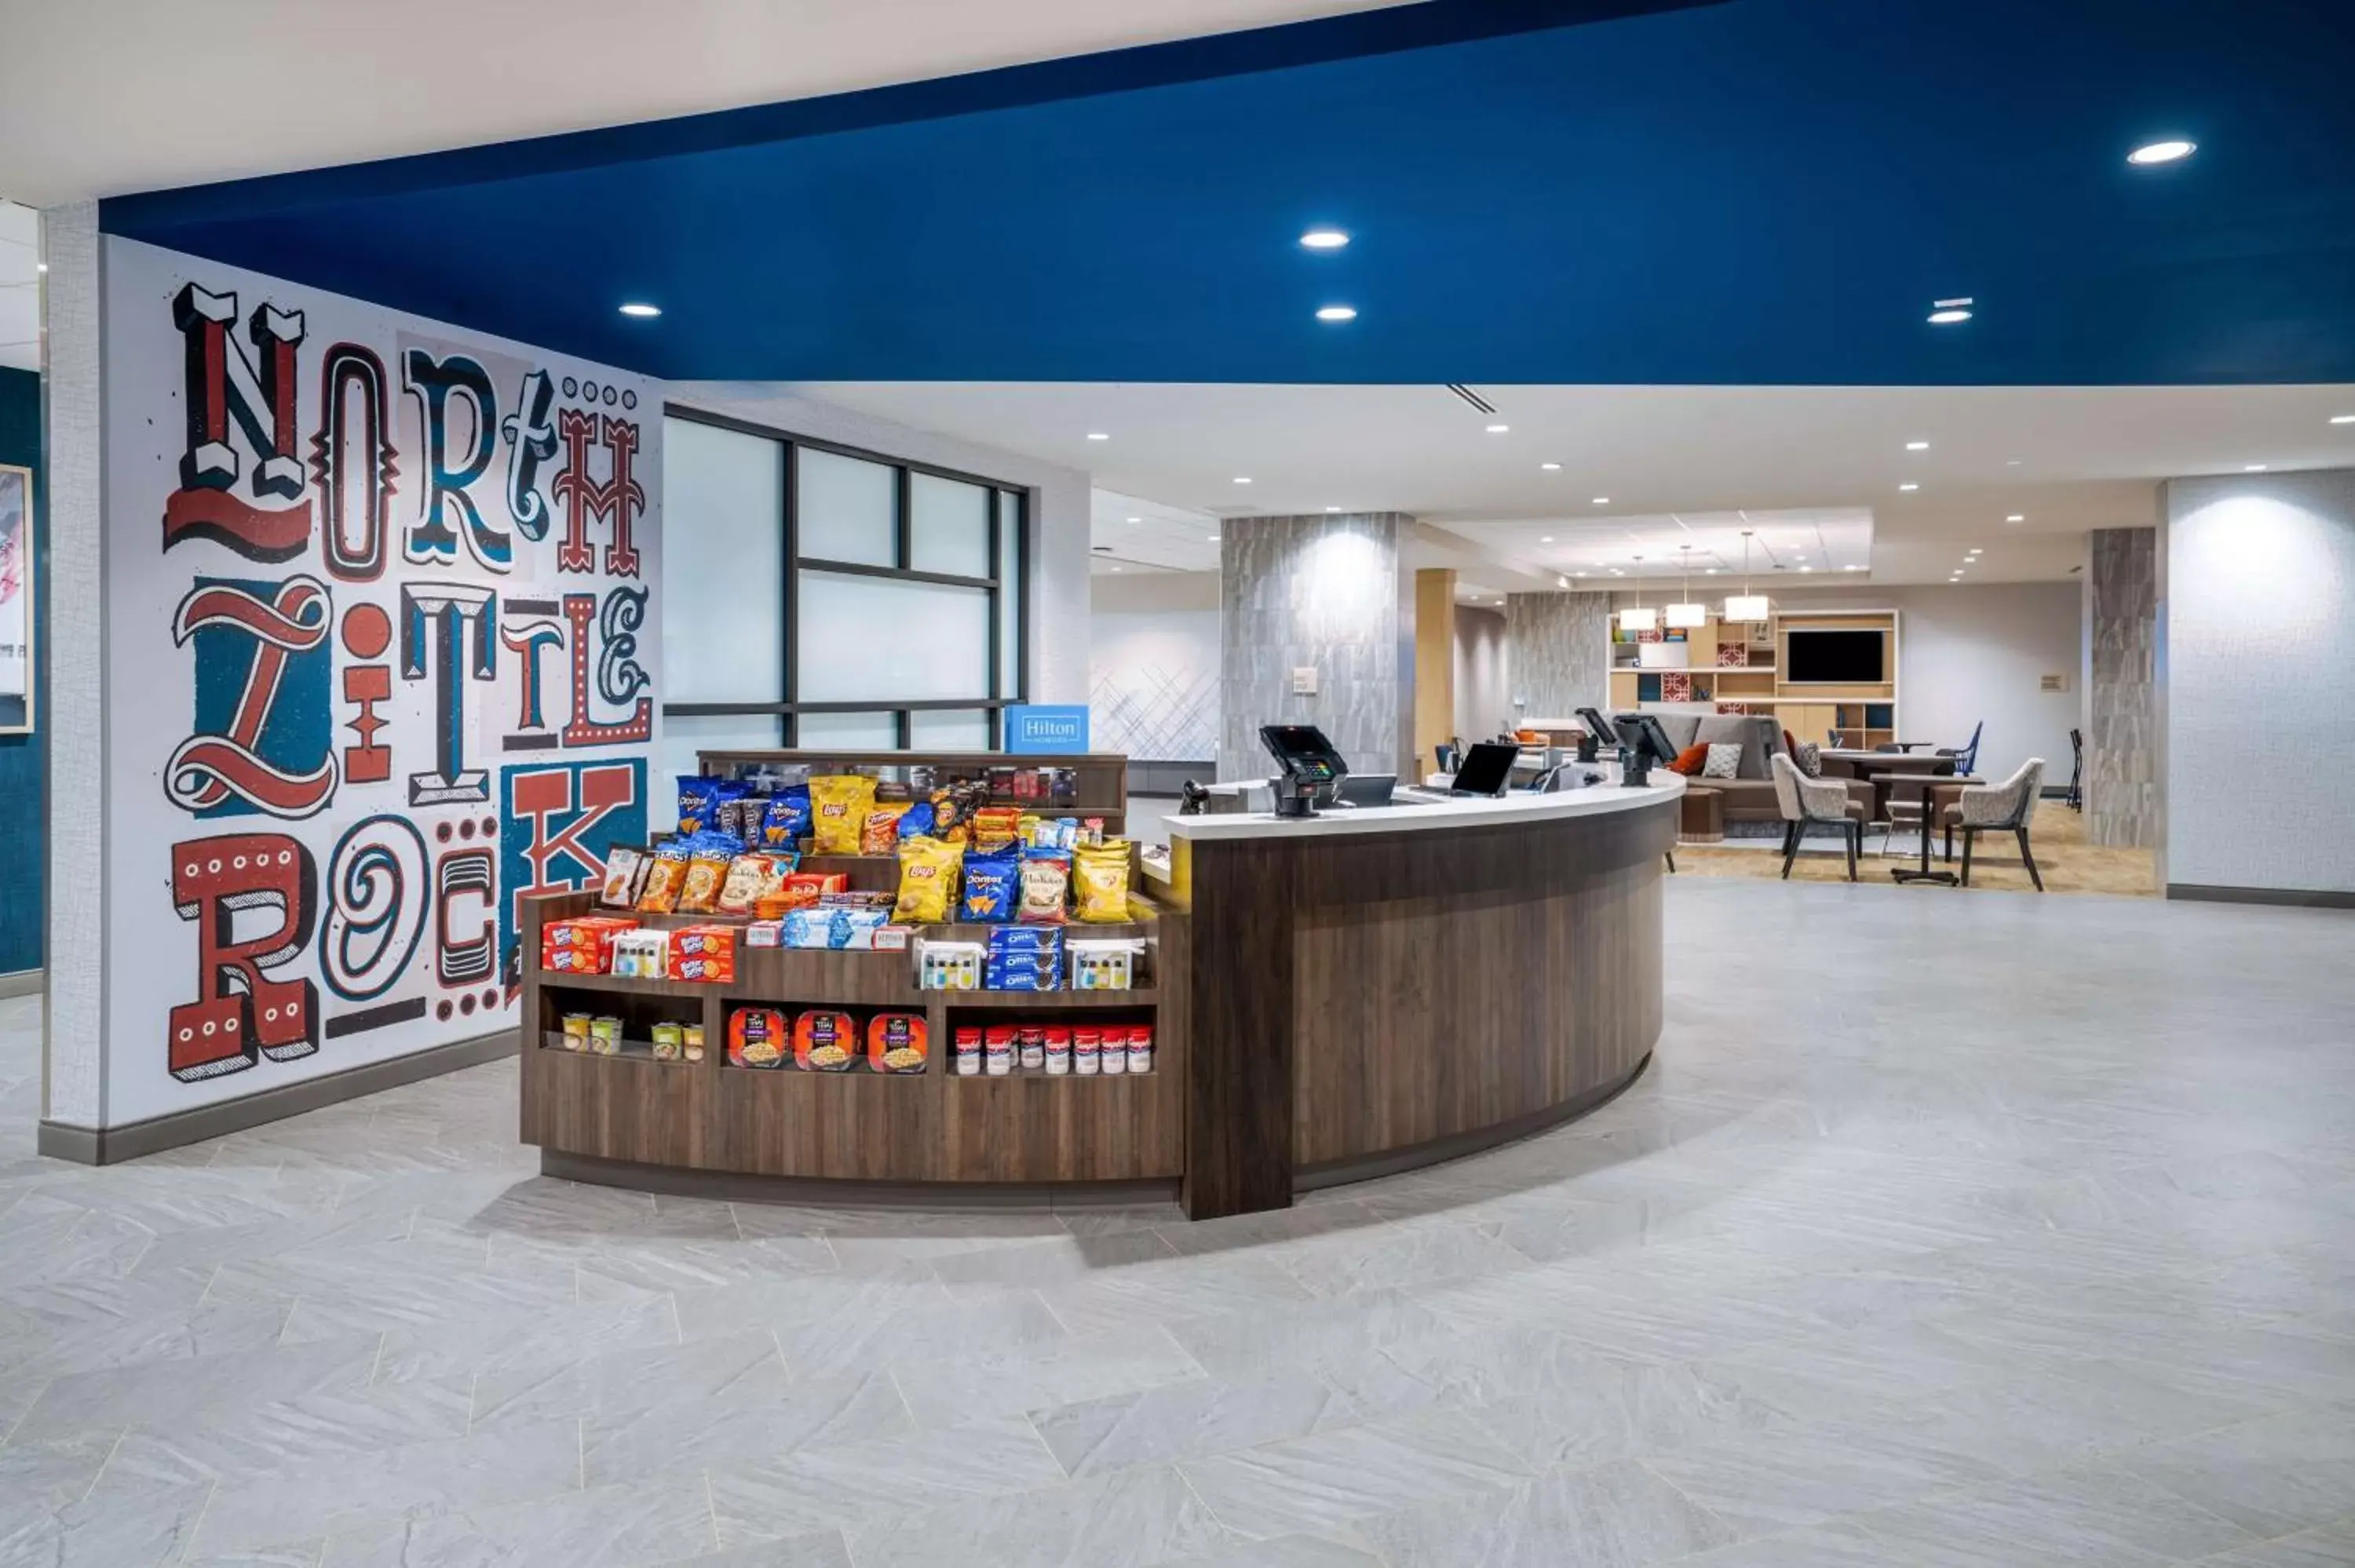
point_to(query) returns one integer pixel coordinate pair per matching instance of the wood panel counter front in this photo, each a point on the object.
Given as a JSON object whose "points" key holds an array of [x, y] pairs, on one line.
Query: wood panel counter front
{"points": [[1375, 989]]}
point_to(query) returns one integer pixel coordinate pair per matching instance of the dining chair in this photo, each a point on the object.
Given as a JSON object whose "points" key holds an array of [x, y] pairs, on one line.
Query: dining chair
{"points": [[2002, 808], [1967, 756], [1805, 801]]}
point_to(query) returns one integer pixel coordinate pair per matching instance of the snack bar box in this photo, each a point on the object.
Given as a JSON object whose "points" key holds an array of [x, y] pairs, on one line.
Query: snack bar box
{"points": [[706, 953], [582, 944]]}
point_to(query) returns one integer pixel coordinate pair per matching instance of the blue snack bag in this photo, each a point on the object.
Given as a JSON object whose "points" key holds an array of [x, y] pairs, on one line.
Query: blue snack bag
{"points": [[993, 887], [699, 803], [786, 822]]}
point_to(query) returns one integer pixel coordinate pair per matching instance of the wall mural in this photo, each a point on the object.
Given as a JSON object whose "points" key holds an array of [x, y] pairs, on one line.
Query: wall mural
{"points": [[382, 620]]}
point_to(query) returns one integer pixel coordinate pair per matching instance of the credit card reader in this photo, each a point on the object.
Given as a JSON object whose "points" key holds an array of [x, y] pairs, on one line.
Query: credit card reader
{"points": [[1308, 767]]}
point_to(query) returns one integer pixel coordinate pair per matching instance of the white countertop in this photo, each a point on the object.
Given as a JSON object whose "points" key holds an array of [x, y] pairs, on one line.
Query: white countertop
{"points": [[1593, 800]]}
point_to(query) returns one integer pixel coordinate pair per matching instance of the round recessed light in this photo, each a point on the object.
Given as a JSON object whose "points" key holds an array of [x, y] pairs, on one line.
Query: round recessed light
{"points": [[1499, 429], [1578, 574], [1325, 239], [1116, 568], [2169, 152], [1136, 519], [1337, 313], [1242, 479], [1806, 569], [2252, 468], [1949, 316], [1332, 509], [1852, 568], [2016, 517], [1909, 487], [1099, 436], [1710, 573], [1917, 445], [1602, 501], [1556, 468], [1212, 537], [640, 310], [1545, 538]]}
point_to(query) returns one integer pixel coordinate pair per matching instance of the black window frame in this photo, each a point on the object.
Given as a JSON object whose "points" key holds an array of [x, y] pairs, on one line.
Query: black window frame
{"points": [[904, 469]]}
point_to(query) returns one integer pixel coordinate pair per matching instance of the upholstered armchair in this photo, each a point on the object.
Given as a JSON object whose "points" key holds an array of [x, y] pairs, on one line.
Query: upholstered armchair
{"points": [[2003, 807], [1806, 801]]}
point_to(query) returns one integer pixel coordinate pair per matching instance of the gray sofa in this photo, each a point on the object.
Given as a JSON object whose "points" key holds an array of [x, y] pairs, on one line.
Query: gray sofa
{"points": [[1749, 797]]}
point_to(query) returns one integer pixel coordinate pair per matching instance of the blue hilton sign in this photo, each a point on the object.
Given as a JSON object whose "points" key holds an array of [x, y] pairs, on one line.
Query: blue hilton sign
{"points": [[1042, 730]]}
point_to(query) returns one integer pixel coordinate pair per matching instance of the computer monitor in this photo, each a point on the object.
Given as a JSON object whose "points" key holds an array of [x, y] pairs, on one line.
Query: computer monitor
{"points": [[1487, 769], [1598, 726], [1644, 732]]}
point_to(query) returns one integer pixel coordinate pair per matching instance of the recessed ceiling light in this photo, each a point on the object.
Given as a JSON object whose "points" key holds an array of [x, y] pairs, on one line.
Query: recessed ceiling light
{"points": [[2170, 152], [639, 309], [1852, 568], [1545, 538], [40, 266], [1578, 574], [1973, 555], [1806, 569], [1499, 429], [1949, 316], [1116, 568], [1337, 313], [1917, 445], [2011, 462], [1324, 239], [2342, 419], [1212, 537], [1909, 487], [1136, 519], [1712, 572], [2016, 517], [2252, 468], [1617, 572], [1099, 436], [1242, 479], [1602, 501], [1332, 509], [1556, 468]]}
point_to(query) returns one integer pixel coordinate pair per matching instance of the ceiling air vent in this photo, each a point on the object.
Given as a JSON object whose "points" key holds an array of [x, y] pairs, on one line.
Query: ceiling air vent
{"points": [[1472, 398]]}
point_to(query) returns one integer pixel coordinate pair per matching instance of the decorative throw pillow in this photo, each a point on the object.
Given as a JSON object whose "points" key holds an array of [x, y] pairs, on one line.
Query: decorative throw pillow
{"points": [[1689, 760], [1809, 757], [1790, 746], [1724, 760]]}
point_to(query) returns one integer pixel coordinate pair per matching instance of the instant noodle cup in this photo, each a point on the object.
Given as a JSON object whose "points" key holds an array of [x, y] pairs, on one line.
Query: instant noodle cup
{"points": [[928, 879], [756, 1037], [839, 803], [896, 1043], [825, 1041]]}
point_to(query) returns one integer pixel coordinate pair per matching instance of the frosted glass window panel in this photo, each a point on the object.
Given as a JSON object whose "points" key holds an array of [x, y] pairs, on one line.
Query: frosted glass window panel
{"points": [[723, 565], [683, 737], [949, 729], [1010, 588], [844, 509], [948, 526], [846, 732], [890, 641]]}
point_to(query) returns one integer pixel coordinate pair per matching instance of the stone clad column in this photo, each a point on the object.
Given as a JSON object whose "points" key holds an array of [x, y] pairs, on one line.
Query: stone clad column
{"points": [[2121, 697], [1558, 652], [1322, 593]]}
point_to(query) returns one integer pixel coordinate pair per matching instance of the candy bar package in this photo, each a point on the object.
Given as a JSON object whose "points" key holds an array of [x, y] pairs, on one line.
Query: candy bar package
{"points": [[928, 879], [785, 821], [1046, 880], [741, 821], [625, 877], [1101, 871], [995, 827], [666, 874], [839, 803], [993, 887]]}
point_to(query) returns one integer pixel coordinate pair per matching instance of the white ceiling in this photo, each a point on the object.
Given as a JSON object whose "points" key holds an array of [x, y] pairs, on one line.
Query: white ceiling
{"points": [[2066, 458], [1656, 552], [99, 97], [20, 289]]}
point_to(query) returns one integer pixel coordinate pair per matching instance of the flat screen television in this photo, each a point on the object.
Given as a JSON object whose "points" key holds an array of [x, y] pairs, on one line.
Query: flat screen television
{"points": [[1833, 658]]}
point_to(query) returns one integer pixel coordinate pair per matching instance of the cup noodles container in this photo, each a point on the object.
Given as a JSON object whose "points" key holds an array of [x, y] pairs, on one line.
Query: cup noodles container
{"points": [[1086, 1050], [1115, 1051], [705, 953], [968, 1053], [1140, 1047], [997, 1050]]}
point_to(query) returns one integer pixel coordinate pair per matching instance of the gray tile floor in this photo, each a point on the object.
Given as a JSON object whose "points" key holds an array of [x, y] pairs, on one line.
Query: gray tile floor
{"points": [[1945, 1232]]}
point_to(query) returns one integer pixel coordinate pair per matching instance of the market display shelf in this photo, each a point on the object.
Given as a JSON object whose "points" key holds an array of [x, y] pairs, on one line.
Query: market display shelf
{"points": [[626, 985], [631, 1051], [1015, 1000]]}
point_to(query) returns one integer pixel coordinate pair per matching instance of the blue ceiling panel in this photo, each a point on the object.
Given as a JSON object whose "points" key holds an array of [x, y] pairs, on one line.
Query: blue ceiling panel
{"points": [[1750, 191]]}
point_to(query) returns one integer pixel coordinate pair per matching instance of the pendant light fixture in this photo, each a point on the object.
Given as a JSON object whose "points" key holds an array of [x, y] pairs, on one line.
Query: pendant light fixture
{"points": [[1686, 615], [1746, 606], [1639, 619]]}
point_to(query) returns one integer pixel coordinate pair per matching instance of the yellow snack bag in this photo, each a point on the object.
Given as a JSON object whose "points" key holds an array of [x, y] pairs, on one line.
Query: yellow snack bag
{"points": [[1100, 878], [839, 803], [928, 880]]}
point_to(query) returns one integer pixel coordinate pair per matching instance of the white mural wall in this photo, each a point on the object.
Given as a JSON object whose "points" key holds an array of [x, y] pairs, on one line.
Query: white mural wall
{"points": [[382, 624]]}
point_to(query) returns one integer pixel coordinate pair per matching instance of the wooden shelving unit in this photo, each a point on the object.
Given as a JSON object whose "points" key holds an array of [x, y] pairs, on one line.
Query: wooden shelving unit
{"points": [[1861, 715], [1100, 779]]}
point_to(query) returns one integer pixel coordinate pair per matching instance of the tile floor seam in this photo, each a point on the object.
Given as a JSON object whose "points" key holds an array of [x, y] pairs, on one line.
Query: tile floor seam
{"points": [[39, 1392], [711, 1510], [188, 1547]]}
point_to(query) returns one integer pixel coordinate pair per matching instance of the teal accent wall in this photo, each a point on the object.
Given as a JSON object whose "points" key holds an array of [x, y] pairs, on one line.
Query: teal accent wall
{"points": [[21, 788]]}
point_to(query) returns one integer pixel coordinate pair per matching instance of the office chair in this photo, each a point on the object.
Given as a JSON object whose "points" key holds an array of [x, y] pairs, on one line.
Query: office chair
{"points": [[1966, 756]]}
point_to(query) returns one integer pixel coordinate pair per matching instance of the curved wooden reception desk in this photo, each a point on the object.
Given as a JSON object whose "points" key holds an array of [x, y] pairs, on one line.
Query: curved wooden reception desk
{"points": [[1371, 991], [1331, 999]]}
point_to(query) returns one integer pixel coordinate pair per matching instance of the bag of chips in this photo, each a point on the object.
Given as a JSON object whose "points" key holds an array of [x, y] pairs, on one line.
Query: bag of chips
{"points": [[785, 821], [747, 875], [626, 876], [881, 833], [666, 874], [1046, 879], [993, 887], [838, 806], [927, 876], [1101, 874], [707, 872], [699, 803], [916, 822]]}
